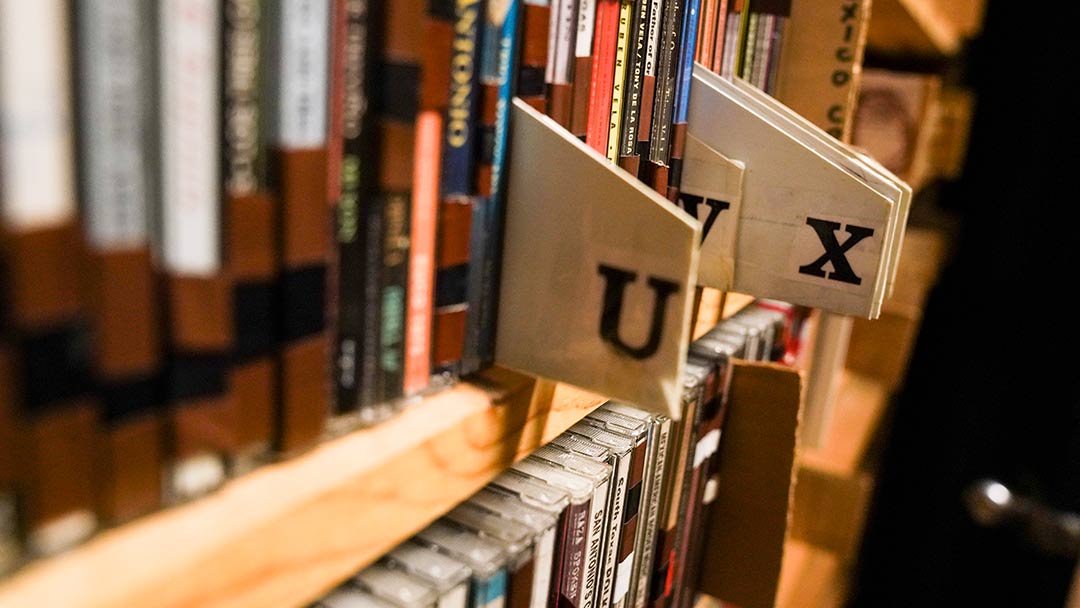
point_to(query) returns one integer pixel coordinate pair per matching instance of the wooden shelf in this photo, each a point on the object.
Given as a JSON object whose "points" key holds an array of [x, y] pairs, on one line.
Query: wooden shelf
{"points": [[923, 27], [285, 533], [860, 405], [810, 577]]}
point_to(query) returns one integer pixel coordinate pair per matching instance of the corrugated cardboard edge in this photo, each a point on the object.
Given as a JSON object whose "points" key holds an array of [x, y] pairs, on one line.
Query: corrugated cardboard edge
{"points": [[750, 519]]}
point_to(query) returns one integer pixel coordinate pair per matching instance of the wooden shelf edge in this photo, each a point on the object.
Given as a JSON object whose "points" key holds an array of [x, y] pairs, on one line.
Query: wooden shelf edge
{"points": [[917, 26], [287, 532]]}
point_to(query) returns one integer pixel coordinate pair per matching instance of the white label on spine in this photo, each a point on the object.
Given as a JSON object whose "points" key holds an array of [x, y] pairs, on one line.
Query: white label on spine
{"points": [[614, 527], [586, 23], [456, 597], [622, 578], [564, 57], [595, 544], [190, 137], [302, 78], [655, 8], [706, 446], [37, 172], [543, 559], [114, 80]]}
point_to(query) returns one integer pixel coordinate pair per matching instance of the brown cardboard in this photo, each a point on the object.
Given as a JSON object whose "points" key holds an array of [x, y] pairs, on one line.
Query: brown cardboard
{"points": [[748, 521], [821, 60]]}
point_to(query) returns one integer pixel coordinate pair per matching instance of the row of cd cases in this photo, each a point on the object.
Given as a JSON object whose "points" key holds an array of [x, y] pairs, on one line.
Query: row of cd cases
{"points": [[537, 535], [594, 518]]}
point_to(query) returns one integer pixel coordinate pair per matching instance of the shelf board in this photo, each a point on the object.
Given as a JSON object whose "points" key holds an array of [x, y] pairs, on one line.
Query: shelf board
{"points": [[860, 405], [810, 577], [287, 532], [923, 27]]}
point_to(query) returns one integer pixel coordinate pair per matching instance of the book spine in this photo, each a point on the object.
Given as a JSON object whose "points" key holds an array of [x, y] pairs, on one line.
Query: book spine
{"points": [[457, 183], [114, 103], [621, 477], [605, 40], [581, 78], [532, 85], [703, 53], [191, 202], [682, 96], [732, 29], [598, 523], [666, 76], [662, 433], [421, 288], [46, 314], [648, 87], [630, 521], [509, 43], [250, 231], [394, 285], [618, 83], [635, 83], [573, 557], [358, 141], [717, 42], [300, 140], [560, 59]]}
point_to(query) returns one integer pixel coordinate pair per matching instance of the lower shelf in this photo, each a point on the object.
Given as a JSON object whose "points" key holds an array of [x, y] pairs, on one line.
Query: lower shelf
{"points": [[286, 533]]}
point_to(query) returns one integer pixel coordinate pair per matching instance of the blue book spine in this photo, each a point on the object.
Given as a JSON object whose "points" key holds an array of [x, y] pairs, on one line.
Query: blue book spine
{"points": [[462, 113], [490, 261], [686, 61]]}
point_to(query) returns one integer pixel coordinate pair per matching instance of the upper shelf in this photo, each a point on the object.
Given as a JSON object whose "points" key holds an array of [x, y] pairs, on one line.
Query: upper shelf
{"points": [[923, 27], [286, 533]]}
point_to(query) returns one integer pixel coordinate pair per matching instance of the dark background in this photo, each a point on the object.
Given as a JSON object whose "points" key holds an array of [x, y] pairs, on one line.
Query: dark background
{"points": [[993, 388]]}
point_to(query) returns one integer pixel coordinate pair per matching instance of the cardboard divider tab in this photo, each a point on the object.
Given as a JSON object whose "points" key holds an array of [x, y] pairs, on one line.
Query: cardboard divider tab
{"points": [[748, 520], [597, 271]]}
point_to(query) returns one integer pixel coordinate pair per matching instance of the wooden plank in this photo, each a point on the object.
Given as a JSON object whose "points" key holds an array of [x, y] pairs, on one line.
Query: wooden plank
{"points": [[830, 511], [860, 405], [288, 532], [810, 577], [748, 520], [917, 27]]}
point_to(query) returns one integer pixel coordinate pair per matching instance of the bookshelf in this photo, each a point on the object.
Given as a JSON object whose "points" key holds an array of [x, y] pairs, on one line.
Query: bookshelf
{"points": [[287, 532], [923, 27]]}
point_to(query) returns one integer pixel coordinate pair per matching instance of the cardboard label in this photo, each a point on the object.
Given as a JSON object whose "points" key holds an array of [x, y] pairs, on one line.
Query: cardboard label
{"points": [[597, 272]]}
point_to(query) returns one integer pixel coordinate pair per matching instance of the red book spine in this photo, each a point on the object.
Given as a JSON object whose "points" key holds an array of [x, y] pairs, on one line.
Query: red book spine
{"points": [[603, 74]]}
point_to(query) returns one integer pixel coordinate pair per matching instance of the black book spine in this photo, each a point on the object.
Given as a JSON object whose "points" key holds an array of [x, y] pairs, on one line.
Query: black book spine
{"points": [[635, 76], [666, 73], [394, 285], [358, 178]]}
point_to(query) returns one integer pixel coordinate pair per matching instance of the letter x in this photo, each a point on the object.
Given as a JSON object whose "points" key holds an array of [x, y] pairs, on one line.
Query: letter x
{"points": [[834, 251]]}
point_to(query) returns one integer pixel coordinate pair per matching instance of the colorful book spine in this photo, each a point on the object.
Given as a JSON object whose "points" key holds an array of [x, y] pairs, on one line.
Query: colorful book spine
{"points": [[457, 185], [532, 69], [605, 39], [509, 43], [115, 112], [301, 78], [619, 81], [682, 95]]}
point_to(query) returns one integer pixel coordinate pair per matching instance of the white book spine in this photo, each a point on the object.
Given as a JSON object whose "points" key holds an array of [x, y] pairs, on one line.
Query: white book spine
{"points": [[37, 165], [621, 477], [115, 89], [595, 543], [543, 559], [586, 22], [190, 143], [662, 429], [303, 57]]}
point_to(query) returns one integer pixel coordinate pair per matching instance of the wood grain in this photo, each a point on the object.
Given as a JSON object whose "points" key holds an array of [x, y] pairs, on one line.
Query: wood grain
{"points": [[287, 532]]}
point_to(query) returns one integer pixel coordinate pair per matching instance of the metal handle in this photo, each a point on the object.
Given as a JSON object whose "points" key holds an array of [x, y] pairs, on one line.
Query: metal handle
{"points": [[991, 504]]}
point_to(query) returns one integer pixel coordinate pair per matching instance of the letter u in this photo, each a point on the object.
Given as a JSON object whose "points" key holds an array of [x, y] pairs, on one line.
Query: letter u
{"points": [[615, 281]]}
